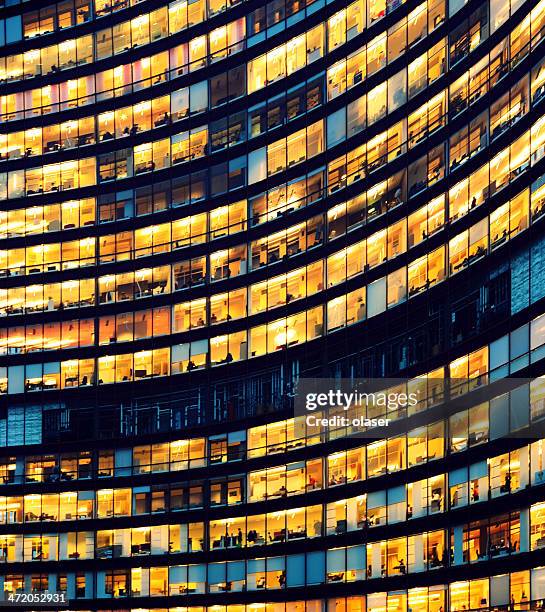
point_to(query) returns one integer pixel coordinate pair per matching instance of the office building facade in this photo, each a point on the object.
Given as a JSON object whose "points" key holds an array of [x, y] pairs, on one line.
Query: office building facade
{"points": [[384, 164]]}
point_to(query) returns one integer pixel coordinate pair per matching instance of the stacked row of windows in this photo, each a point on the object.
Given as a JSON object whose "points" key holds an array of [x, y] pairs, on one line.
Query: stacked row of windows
{"points": [[161, 111], [284, 436], [268, 19], [286, 152], [270, 337], [465, 429], [194, 99], [265, 207], [150, 162], [365, 110], [391, 95], [196, 229], [469, 543], [70, 13], [156, 362], [264, 339], [503, 224], [154, 198], [274, 65], [274, 438], [473, 243], [260, 340], [37, 23], [161, 23], [59, 16], [496, 477], [141, 30], [337, 565], [497, 536]]}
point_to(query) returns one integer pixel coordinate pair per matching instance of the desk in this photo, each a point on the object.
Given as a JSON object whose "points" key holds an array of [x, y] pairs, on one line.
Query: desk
{"points": [[279, 536]]}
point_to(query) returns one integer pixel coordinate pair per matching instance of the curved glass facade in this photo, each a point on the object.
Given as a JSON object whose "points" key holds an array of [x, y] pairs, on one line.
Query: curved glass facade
{"points": [[204, 202]]}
